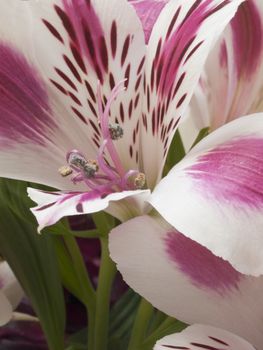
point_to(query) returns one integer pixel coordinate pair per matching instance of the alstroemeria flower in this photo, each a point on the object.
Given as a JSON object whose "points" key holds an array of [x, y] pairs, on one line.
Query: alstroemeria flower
{"points": [[11, 293], [213, 199], [93, 141], [232, 83], [203, 337]]}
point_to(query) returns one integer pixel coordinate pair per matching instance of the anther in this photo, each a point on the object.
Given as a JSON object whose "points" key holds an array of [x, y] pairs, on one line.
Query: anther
{"points": [[65, 170], [116, 131], [139, 181], [90, 168]]}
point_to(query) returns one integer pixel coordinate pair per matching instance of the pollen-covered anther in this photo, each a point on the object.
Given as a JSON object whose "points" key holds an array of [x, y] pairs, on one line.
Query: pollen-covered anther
{"points": [[65, 171], [116, 131], [139, 181]]}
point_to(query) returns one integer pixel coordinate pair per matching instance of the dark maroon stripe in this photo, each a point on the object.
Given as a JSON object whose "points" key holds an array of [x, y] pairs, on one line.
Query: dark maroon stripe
{"points": [[59, 87], [66, 22], [193, 51], [219, 341], [66, 79], [78, 58], [46, 206], [125, 49], [113, 38], [203, 346], [53, 30], [72, 68], [171, 26], [104, 54], [78, 114], [90, 91]]}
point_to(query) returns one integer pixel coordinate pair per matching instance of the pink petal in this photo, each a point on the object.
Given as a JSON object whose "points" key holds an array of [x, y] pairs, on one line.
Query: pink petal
{"points": [[203, 337], [185, 280], [215, 195], [148, 12]]}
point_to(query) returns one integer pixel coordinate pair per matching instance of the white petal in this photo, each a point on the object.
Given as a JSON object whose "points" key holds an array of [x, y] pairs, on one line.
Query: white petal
{"points": [[52, 206], [177, 50], [6, 309], [59, 110], [185, 280], [215, 196], [234, 68], [205, 337], [9, 285]]}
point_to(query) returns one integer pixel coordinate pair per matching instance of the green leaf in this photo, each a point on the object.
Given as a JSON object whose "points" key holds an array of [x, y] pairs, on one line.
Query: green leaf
{"points": [[33, 260], [202, 134], [175, 154]]}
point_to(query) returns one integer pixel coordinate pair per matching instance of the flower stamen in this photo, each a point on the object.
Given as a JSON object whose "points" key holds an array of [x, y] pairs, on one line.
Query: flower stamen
{"points": [[101, 175]]}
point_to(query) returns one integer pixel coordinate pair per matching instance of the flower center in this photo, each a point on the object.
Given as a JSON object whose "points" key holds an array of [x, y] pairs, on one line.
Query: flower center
{"points": [[98, 174]]}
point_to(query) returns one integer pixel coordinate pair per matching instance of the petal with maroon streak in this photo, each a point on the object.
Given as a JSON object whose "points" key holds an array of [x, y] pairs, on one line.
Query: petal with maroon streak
{"points": [[52, 206], [203, 337], [177, 50], [234, 69], [215, 195], [185, 280]]}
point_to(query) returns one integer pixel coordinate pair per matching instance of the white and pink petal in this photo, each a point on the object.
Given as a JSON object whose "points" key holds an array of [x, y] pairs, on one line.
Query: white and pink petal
{"points": [[52, 206], [177, 50], [215, 195], [203, 337], [48, 101], [185, 280], [234, 68]]}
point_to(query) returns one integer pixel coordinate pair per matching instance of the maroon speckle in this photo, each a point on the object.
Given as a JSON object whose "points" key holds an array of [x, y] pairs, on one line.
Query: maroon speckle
{"points": [[127, 75], [130, 109], [131, 151], [193, 51], [78, 58], [175, 347], [217, 8], [173, 21], [89, 41], [138, 82], [136, 100], [219, 341], [94, 126], [66, 79], [140, 66], [92, 108], [179, 83], [125, 49], [59, 87], [121, 112], [78, 114], [112, 81], [181, 100], [96, 142], [74, 98], [46, 206], [148, 98], [66, 23], [53, 30], [104, 54], [72, 68], [79, 208], [113, 38], [203, 346], [90, 91]]}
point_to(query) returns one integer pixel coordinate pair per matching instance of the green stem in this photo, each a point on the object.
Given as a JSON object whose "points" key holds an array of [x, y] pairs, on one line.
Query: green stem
{"points": [[106, 277], [85, 283], [141, 324]]}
